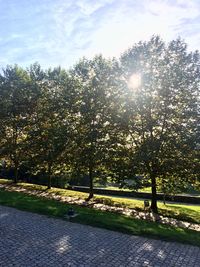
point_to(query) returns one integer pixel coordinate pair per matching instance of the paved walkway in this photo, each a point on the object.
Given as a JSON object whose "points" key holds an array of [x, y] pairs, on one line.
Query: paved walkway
{"points": [[28, 240]]}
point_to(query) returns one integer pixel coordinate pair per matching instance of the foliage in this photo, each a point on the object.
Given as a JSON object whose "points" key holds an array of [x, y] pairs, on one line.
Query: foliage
{"points": [[133, 119], [95, 113], [18, 97], [160, 118], [50, 136]]}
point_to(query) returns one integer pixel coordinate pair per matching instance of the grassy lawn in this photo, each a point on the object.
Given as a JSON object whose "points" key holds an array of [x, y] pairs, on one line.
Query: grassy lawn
{"points": [[145, 190], [114, 188], [101, 219], [190, 213], [191, 192]]}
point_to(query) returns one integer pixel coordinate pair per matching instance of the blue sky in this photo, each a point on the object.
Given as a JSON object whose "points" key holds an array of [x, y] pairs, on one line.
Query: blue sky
{"points": [[59, 32]]}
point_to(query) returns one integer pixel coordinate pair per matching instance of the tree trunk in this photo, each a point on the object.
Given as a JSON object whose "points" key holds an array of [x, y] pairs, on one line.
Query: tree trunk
{"points": [[154, 207], [49, 176], [16, 175], [91, 193], [16, 170], [49, 182], [164, 201]]}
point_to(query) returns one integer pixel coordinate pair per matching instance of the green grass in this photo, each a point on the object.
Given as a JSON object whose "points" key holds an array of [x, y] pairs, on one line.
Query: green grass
{"points": [[107, 220], [187, 213], [5, 181], [114, 188], [145, 189], [190, 213], [190, 192]]}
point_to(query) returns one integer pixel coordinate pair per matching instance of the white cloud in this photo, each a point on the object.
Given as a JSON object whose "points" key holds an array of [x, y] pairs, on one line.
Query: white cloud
{"points": [[60, 32], [124, 28], [87, 7]]}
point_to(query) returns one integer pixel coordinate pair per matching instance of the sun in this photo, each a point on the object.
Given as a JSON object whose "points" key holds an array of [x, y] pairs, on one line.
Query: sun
{"points": [[134, 81]]}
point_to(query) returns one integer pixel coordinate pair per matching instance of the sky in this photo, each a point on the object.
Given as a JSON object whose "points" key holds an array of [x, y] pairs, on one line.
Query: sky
{"points": [[60, 32]]}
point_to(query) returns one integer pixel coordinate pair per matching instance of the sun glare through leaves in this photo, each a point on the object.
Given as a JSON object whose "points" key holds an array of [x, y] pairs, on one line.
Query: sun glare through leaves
{"points": [[134, 81]]}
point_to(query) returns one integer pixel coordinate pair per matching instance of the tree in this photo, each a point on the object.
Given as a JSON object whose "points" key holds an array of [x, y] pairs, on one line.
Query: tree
{"points": [[17, 99], [51, 135], [94, 118], [162, 81]]}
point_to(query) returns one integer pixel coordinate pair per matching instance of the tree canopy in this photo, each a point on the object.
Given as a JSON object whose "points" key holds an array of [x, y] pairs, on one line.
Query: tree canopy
{"points": [[133, 118]]}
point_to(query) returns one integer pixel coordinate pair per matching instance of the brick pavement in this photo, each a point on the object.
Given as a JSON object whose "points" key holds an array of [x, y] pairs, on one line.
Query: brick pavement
{"points": [[32, 240]]}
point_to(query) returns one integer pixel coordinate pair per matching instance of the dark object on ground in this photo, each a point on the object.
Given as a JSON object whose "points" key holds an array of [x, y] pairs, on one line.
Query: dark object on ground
{"points": [[146, 204], [71, 213]]}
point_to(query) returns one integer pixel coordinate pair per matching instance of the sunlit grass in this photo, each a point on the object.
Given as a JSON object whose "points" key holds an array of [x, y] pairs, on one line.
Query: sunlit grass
{"points": [[182, 212], [114, 188], [5, 181], [145, 189]]}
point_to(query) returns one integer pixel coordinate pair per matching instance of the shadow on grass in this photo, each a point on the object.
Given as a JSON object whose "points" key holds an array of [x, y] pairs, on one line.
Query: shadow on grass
{"points": [[181, 213]]}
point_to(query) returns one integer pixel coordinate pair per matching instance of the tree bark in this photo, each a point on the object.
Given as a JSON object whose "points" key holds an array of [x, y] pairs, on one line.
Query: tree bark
{"points": [[49, 176], [154, 207], [16, 175], [91, 192]]}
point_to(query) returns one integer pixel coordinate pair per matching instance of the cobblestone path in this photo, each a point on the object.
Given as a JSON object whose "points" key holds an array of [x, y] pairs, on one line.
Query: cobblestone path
{"points": [[28, 240]]}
